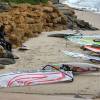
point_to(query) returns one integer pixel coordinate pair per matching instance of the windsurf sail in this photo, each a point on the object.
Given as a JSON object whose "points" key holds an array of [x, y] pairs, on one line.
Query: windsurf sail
{"points": [[21, 78], [95, 36], [78, 68], [92, 48], [83, 56], [83, 41]]}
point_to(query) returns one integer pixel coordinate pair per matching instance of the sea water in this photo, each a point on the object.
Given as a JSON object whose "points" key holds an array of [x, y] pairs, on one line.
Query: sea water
{"points": [[90, 5]]}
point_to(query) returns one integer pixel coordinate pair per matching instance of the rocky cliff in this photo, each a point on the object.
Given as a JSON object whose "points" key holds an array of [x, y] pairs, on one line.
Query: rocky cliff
{"points": [[24, 21]]}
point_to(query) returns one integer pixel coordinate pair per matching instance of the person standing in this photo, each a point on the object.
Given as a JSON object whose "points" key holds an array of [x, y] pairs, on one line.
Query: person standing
{"points": [[6, 45]]}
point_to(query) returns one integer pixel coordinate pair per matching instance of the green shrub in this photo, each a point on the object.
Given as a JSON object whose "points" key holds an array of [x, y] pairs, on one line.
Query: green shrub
{"points": [[27, 1], [44, 1]]}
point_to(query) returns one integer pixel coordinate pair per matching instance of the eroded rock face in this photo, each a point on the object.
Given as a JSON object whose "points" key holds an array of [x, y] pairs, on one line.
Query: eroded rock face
{"points": [[24, 21], [72, 21]]}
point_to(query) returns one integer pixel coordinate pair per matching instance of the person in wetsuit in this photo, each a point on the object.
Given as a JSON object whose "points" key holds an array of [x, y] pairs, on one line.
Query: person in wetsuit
{"points": [[6, 45]]}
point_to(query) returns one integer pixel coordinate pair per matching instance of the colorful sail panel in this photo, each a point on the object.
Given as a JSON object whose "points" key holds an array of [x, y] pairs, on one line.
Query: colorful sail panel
{"points": [[13, 79]]}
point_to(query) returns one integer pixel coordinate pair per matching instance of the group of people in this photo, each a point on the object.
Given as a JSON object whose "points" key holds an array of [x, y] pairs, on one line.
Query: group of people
{"points": [[3, 42]]}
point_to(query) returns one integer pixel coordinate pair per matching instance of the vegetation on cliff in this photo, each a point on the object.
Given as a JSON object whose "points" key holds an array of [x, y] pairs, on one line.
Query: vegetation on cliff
{"points": [[26, 1]]}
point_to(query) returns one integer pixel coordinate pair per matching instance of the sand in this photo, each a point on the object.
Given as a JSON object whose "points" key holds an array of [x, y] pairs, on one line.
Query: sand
{"points": [[47, 50]]}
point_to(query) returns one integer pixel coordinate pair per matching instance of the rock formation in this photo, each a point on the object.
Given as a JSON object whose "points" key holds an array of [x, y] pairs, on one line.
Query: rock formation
{"points": [[24, 21], [72, 21]]}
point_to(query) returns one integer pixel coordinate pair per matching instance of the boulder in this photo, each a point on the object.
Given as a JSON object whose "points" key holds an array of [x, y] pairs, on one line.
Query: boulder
{"points": [[72, 22], [2, 66], [4, 7], [6, 61]]}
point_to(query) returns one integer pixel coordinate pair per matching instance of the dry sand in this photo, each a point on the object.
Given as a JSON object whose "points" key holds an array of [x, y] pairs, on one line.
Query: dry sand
{"points": [[47, 50]]}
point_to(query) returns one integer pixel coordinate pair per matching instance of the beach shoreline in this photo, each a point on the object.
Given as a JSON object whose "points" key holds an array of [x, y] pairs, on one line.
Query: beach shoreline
{"points": [[46, 50], [86, 5]]}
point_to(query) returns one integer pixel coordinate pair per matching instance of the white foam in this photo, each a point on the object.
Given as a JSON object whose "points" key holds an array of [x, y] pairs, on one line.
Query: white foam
{"points": [[90, 5]]}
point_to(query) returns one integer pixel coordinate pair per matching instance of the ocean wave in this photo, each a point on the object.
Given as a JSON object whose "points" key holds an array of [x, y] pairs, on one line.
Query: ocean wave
{"points": [[90, 5]]}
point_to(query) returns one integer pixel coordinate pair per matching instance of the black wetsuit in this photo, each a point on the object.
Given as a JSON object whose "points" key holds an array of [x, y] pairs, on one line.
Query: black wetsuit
{"points": [[6, 45]]}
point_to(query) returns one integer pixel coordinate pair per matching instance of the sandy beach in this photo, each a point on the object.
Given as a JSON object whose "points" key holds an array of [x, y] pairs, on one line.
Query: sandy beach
{"points": [[47, 50]]}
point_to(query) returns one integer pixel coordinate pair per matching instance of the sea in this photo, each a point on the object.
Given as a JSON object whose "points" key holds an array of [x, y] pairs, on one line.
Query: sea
{"points": [[88, 5]]}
